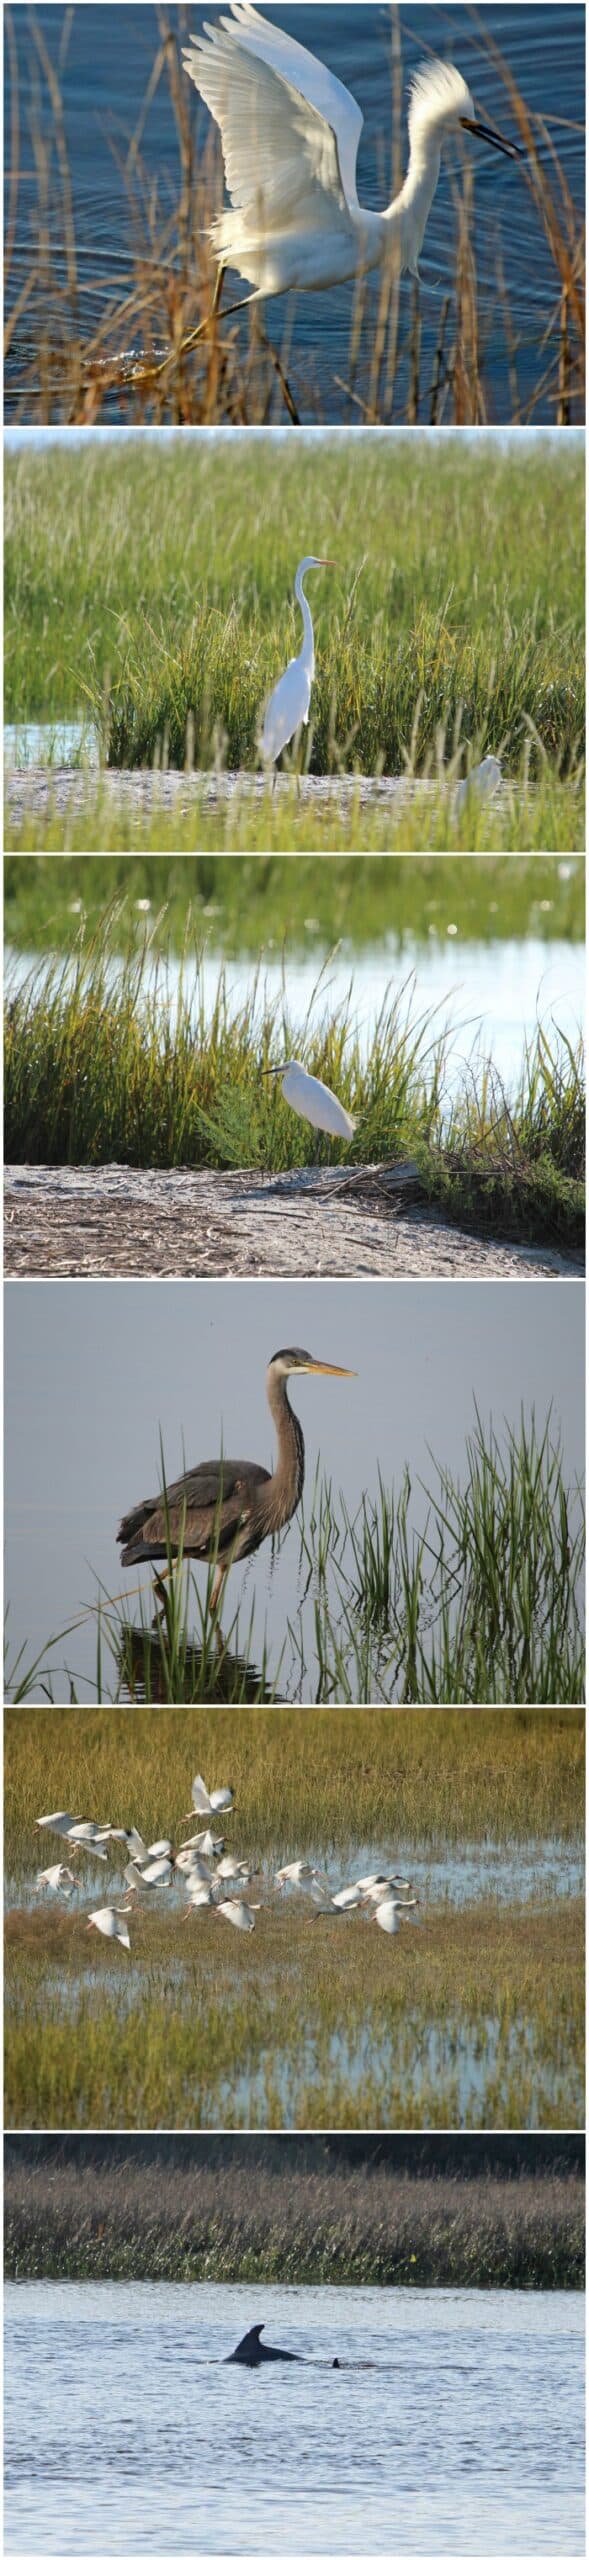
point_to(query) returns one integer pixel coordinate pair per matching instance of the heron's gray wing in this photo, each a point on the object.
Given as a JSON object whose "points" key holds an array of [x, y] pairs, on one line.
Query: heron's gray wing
{"points": [[192, 1503]]}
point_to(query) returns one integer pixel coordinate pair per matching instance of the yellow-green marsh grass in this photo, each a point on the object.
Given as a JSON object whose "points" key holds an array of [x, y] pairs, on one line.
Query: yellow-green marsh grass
{"points": [[324, 1778], [474, 2016]]}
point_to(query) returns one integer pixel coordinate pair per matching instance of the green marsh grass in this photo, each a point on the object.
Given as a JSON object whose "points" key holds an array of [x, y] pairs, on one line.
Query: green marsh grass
{"points": [[475, 2016], [301, 2220], [104, 1063], [440, 630], [267, 903]]}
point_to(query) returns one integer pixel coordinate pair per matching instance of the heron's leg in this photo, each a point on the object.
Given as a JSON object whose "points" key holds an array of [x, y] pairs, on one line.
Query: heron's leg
{"points": [[220, 1572], [161, 1596]]}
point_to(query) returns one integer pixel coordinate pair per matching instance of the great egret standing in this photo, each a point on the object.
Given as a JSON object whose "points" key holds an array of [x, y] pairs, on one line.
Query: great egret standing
{"points": [[229, 1505], [312, 1099], [290, 133], [289, 704]]}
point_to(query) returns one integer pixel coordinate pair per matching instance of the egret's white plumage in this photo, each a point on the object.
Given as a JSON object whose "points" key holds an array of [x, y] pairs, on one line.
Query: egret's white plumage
{"points": [[483, 781], [239, 1913], [387, 1913], [58, 1880], [112, 1923], [312, 1099], [288, 708], [220, 1800], [290, 133]]}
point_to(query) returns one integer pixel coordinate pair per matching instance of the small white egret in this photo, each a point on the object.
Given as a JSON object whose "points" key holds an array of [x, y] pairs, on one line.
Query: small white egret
{"points": [[112, 1923], [157, 1873], [299, 1872], [62, 1823], [221, 1799], [200, 1896], [57, 1879], [290, 133], [483, 781], [387, 1913], [288, 708], [241, 1914], [206, 1842], [312, 1099]]}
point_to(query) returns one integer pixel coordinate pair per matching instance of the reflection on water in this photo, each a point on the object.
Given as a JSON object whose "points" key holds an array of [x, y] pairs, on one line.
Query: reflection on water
{"points": [[142, 1673], [55, 742], [522, 1871], [458, 2414]]}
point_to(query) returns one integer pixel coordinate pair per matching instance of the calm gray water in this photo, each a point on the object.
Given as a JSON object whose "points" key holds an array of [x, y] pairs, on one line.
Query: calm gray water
{"points": [[526, 1871], [93, 1372], [105, 59], [454, 2428], [490, 995]]}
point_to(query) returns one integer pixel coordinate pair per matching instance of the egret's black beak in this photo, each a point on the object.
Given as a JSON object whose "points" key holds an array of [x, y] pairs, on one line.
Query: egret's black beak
{"points": [[486, 133]]}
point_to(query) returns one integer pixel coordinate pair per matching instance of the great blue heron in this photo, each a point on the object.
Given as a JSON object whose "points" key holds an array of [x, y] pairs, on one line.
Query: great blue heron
{"points": [[227, 1506]]}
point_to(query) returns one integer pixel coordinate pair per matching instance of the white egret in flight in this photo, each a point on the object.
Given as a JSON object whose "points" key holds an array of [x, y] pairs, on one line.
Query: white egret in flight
{"points": [[387, 1912], [288, 708], [240, 1913], [290, 133], [112, 1923], [220, 1800], [58, 1880], [312, 1099]]}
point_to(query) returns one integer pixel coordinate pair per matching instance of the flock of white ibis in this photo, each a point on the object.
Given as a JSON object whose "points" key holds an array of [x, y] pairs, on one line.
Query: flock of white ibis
{"points": [[212, 1878]]}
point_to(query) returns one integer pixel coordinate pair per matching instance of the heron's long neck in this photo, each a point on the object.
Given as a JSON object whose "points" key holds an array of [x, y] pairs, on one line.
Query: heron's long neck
{"points": [[289, 1472], [307, 652], [411, 207]]}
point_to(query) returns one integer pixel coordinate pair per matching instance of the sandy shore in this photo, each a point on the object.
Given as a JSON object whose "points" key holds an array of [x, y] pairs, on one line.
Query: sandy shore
{"points": [[115, 1221], [43, 792]]}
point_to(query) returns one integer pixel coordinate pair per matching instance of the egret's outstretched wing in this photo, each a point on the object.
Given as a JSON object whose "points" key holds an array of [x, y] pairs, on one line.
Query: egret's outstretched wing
{"points": [[289, 130], [304, 72]]}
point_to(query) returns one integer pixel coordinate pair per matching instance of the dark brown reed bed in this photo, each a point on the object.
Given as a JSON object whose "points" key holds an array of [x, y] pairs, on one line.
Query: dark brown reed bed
{"points": [[301, 2216]]}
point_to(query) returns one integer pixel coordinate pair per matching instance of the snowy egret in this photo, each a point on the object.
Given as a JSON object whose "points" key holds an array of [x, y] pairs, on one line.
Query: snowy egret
{"points": [[58, 1880], [290, 133], [299, 1872], [157, 1873], [387, 1913], [483, 781], [112, 1923], [228, 1506], [287, 710], [220, 1800], [241, 1914], [312, 1099]]}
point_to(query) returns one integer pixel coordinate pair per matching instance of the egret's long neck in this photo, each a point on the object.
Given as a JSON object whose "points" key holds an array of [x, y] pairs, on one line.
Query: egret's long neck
{"points": [[289, 1472], [307, 653], [411, 207]]}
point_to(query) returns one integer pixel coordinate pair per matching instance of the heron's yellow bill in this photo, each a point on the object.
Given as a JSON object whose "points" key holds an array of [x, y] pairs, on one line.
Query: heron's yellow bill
{"points": [[325, 1369]]}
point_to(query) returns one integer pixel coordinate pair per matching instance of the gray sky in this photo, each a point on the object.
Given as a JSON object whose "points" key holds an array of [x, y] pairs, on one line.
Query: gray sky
{"points": [[94, 1369]]}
